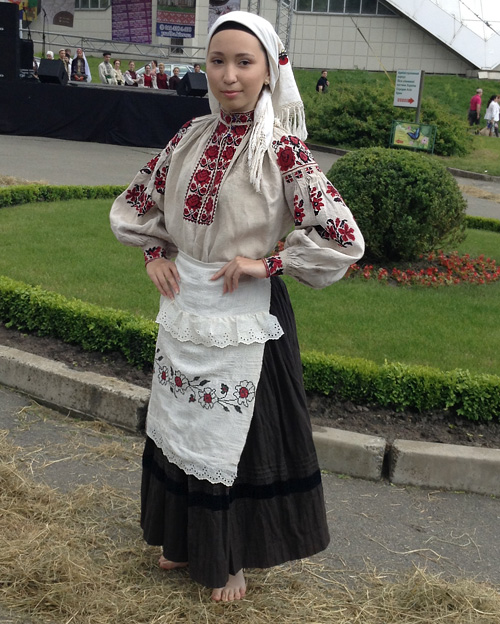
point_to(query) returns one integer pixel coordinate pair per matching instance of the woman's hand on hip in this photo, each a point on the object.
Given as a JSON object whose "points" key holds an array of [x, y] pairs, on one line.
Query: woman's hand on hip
{"points": [[165, 277], [236, 268]]}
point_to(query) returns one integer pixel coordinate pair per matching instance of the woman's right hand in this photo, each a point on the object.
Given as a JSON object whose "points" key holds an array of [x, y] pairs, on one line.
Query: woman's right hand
{"points": [[164, 275]]}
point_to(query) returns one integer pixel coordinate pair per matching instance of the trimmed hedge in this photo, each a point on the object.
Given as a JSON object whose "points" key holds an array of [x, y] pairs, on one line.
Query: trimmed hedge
{"points": [[29, 308], [30, 193], [476, 397], [482, 223]]}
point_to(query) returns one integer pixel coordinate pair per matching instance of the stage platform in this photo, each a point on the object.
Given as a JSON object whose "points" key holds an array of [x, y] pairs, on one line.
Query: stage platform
{"points": [[98, 113]]}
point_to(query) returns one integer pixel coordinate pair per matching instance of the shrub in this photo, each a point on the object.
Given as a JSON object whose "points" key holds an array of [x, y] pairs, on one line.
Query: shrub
{"points": [[30, 193], [405, 204], [362, 115]]}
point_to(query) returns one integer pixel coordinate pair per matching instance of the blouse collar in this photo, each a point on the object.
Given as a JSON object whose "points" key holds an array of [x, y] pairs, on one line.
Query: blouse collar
{"points": [[236, 119]]}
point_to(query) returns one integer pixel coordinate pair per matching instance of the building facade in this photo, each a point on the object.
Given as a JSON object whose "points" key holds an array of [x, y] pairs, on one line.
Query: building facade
{"points": [[332, 34]]}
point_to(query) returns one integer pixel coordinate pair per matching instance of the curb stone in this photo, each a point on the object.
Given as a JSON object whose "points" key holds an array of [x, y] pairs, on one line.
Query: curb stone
{"points": [[424, 464], [445, 466], [81, 393]]}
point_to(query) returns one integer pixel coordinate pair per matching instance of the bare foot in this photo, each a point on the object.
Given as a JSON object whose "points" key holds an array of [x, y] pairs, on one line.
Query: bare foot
{"points": [[165, 564], [235, 589]]}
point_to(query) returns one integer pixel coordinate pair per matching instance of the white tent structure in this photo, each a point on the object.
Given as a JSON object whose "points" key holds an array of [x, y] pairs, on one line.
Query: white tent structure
{"points": [[471, 28]]}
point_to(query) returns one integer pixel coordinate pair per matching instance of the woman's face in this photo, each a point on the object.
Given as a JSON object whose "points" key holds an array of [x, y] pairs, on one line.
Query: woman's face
{"points": [[236, 70], [117, 64]]}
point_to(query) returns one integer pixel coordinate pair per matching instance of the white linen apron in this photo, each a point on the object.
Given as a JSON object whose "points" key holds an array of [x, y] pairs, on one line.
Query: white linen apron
{"points": [[208, 362]]}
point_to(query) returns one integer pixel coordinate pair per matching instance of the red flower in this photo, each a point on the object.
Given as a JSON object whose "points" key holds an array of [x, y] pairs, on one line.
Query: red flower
{"points": [[286, 158], [212, 152], [240, 130], [193, 202], [228, 153], [298, 213], [202, 176], [345, 231]]}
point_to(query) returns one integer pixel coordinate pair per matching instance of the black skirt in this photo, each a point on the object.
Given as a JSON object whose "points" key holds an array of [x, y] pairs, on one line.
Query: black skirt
{"points": [[274, 512]]}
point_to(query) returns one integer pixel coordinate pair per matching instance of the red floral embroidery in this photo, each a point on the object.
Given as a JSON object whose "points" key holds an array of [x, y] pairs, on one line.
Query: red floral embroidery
{"points": [[292, 153], [339, 231], [286, 158], [137, 197], [331, 190], [154, 253], [160, 180], [203, 189], [208, 397], [148, 168], [298, 213], [316, 197], [274, 265]]}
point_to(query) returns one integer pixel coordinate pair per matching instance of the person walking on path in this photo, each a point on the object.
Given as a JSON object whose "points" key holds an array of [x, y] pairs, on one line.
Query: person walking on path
{"points": [[475, 108], [230, 474], [323, 82], [492, 115]]}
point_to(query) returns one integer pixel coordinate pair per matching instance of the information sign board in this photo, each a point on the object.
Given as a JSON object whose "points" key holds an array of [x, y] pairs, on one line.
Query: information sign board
{"points": [[407, 89]]}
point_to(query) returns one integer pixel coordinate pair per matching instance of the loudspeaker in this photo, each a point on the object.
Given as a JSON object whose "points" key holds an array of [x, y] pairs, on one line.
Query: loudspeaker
{"points": [[193, 84], [52, 71], [9, 59], [9, 20], [26, 58]]}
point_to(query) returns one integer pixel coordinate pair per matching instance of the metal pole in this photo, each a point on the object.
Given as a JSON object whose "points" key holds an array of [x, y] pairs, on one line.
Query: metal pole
{"points": [[417, 114]]}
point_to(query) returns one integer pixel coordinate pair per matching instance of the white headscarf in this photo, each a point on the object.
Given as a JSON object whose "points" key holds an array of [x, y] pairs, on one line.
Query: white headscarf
{"points": [[280, 102], [87, 68]]}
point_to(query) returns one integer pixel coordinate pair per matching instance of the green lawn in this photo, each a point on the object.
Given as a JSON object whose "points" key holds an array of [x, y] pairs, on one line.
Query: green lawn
{"points": [[68, 247]]}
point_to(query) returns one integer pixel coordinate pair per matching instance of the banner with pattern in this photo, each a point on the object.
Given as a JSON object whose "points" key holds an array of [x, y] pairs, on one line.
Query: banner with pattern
{"points": [[131, 20]]}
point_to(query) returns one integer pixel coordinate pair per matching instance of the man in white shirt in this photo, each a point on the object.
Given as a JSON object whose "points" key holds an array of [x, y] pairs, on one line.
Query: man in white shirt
{"points": [[106, 73]]}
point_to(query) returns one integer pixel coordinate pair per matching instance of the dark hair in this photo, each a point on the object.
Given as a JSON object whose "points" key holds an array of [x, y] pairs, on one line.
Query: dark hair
{"points": [[491, 99], [242, 28]]}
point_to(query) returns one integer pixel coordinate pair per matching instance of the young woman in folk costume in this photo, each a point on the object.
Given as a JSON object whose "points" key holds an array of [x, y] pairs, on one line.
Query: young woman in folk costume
{"points": [[230, 474]]}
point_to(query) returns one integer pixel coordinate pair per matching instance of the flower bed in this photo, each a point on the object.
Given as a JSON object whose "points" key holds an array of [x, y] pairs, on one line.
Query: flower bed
{"points": [[436, 269]]}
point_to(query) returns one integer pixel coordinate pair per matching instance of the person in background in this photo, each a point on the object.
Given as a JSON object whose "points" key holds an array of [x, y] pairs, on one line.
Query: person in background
{"points": [[161, 77], [64, 59], [148, 79], [197, 68], [68, 55], [154, 68], [131, 78], [230, 473], [492, 115], [323, 82], [120, 80], [80, 71], [173, 83], [475, 108], [106, 73], [49, 55]]}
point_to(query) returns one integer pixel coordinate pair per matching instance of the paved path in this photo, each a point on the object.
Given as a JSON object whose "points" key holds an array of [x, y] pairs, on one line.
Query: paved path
{"points": [[373, 525]]}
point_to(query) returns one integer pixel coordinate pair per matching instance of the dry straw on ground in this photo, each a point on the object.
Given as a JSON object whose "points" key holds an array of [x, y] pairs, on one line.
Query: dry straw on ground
{"points": [[78, 558], [6, 180], [475, 191]]}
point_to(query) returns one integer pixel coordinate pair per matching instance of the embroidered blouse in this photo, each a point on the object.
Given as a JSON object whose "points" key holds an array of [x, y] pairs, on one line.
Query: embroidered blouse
{"points": [[196, 196]]}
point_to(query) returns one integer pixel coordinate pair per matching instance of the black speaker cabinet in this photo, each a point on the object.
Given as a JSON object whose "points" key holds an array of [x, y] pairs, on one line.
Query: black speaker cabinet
{"points": [[26, 58], [193, 84], [52, 71], [9, 20], [9, 58]]}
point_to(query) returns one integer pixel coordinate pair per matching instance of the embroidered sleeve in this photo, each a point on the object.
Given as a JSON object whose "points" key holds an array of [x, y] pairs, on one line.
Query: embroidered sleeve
{"points": [[137, 214], [326, 239]]}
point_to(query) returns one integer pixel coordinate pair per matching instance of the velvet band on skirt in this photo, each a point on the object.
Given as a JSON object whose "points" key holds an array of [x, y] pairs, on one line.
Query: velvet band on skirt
{"points": [[274, 512]]}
